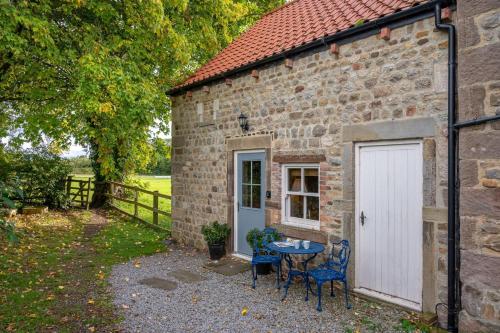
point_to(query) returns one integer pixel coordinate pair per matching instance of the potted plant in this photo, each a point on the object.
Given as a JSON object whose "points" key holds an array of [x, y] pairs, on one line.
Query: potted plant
{"points": [[259, 236], [215, 235]]}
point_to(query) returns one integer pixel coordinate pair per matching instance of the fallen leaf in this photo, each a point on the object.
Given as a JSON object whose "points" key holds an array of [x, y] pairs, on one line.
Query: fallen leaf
{"points": [[244, 311], [90, 301], [101, 275]]}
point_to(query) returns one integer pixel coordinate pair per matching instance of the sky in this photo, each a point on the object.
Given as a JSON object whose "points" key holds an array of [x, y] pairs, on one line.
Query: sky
{"points": [[77, 150], [74, 150]]}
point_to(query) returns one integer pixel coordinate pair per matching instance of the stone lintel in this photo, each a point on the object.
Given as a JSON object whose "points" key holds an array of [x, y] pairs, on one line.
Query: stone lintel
{"points": [[249, 142], [282, 158], [390, 130], [302, 233]]}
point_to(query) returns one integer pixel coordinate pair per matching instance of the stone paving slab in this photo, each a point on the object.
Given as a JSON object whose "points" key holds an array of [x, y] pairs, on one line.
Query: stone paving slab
{"points": [[186, 276], [228, 266], [159, 283]]}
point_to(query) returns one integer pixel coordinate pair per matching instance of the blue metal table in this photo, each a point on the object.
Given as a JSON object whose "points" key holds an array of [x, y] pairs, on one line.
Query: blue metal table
{"points": [[287, 252]]}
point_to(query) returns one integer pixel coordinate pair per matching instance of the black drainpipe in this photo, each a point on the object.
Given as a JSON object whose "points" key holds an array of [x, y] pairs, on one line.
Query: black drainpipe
{"points": [[453, 175]]}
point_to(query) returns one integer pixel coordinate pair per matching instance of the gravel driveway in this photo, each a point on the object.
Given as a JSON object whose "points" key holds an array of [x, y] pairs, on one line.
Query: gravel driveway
{"points": [[210, 302]]}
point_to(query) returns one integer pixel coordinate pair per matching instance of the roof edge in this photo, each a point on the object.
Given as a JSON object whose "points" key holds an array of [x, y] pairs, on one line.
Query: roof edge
{"points": [[394, 20]]}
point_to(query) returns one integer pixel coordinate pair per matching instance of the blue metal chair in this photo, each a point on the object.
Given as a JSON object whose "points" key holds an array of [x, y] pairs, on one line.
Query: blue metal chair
{"points": [[334, 269], [261, 255]]}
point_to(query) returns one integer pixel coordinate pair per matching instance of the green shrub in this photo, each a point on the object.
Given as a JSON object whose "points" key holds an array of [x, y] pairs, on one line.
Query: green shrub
{"points": [[259, 235], [8, 189], [41, 176], [215, 233]]}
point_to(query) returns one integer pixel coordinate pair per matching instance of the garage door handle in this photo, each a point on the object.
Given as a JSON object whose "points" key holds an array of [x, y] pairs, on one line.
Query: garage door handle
{"points": [[362, 217]]}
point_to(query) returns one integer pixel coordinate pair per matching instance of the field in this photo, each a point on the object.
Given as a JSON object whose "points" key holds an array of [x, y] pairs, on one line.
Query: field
{"points": [[151, 183]]}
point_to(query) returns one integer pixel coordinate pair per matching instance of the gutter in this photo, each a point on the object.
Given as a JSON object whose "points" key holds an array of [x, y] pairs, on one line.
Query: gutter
{"points": [[392, 21]]}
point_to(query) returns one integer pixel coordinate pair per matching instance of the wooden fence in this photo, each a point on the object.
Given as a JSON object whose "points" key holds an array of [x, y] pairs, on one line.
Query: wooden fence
{"points": [[119, 192], [116, 193], [83, 188]]}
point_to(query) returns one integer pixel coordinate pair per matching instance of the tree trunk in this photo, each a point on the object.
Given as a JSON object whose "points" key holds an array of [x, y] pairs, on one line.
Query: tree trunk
{"points": [[101, 187], [99, 197]]}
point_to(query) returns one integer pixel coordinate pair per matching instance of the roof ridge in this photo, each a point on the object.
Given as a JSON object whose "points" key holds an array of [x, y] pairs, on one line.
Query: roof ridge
{"points": [[291, 25]]}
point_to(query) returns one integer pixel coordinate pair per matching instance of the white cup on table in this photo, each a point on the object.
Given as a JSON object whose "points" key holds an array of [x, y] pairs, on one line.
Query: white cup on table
{"points": [[306, 244], [296, 243]]}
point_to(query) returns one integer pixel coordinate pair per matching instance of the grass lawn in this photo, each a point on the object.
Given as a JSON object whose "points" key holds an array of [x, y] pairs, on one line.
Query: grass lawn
{"points": [[55, 279], [162, 185]]}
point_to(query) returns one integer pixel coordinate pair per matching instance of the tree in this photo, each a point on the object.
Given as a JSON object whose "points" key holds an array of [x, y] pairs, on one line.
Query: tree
{"points": [[160, 161], [96, 71], [80, 165]]}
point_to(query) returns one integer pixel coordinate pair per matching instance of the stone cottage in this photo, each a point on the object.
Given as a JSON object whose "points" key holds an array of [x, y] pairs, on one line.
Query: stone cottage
{"points": [[347, 119]]}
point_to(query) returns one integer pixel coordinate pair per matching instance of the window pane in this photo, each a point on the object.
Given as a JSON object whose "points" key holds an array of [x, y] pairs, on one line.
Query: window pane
{"points": [[246, 194], [294, 180], [255, 172], [246, 171], [311, 180], [297, 206], [256, 196], [312, 208]]}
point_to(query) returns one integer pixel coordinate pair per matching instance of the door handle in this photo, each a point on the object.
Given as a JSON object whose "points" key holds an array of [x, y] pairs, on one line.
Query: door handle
{"points": [[362, 217]]}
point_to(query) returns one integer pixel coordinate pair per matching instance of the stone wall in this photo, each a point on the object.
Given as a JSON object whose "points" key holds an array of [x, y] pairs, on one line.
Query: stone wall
{"points": [[479, 95], [374, 89]]}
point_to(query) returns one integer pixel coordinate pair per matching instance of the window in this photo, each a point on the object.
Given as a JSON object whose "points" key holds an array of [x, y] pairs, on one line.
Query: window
{"points": [[301, 195], [251, 184]]}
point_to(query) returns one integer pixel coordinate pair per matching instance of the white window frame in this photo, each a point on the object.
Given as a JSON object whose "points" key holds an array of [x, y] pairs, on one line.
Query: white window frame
{"points": [[285, 193]]}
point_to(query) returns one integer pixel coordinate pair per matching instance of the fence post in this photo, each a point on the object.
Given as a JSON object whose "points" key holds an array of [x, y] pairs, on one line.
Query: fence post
{"points": [[112, 192], [155, 207], [68, 185], [136, 212], [88, 193], [82, 186]]}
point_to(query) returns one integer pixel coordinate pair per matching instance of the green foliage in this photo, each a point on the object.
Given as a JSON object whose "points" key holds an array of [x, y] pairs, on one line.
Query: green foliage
{"points": [[160, 161], [96, 71], [257, 237], [8, 230], [80, 165], [40, 174], [414, 325], [9, 188], [359, 22], [215, 233]]}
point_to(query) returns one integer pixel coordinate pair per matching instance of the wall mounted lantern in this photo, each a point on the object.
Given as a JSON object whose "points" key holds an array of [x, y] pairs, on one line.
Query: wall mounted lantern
{"points": [[243, 120]]}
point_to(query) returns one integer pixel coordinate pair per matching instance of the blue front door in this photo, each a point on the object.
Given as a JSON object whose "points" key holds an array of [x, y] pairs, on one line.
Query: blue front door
{"points": [[251, 195]]}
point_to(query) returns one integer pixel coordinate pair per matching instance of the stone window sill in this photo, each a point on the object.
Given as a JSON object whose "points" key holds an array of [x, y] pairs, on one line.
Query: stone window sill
{"points": [[302, 233]]}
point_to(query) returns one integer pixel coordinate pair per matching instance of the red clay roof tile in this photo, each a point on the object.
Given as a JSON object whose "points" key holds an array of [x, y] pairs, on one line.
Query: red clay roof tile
{"points": [[295, 23]]}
